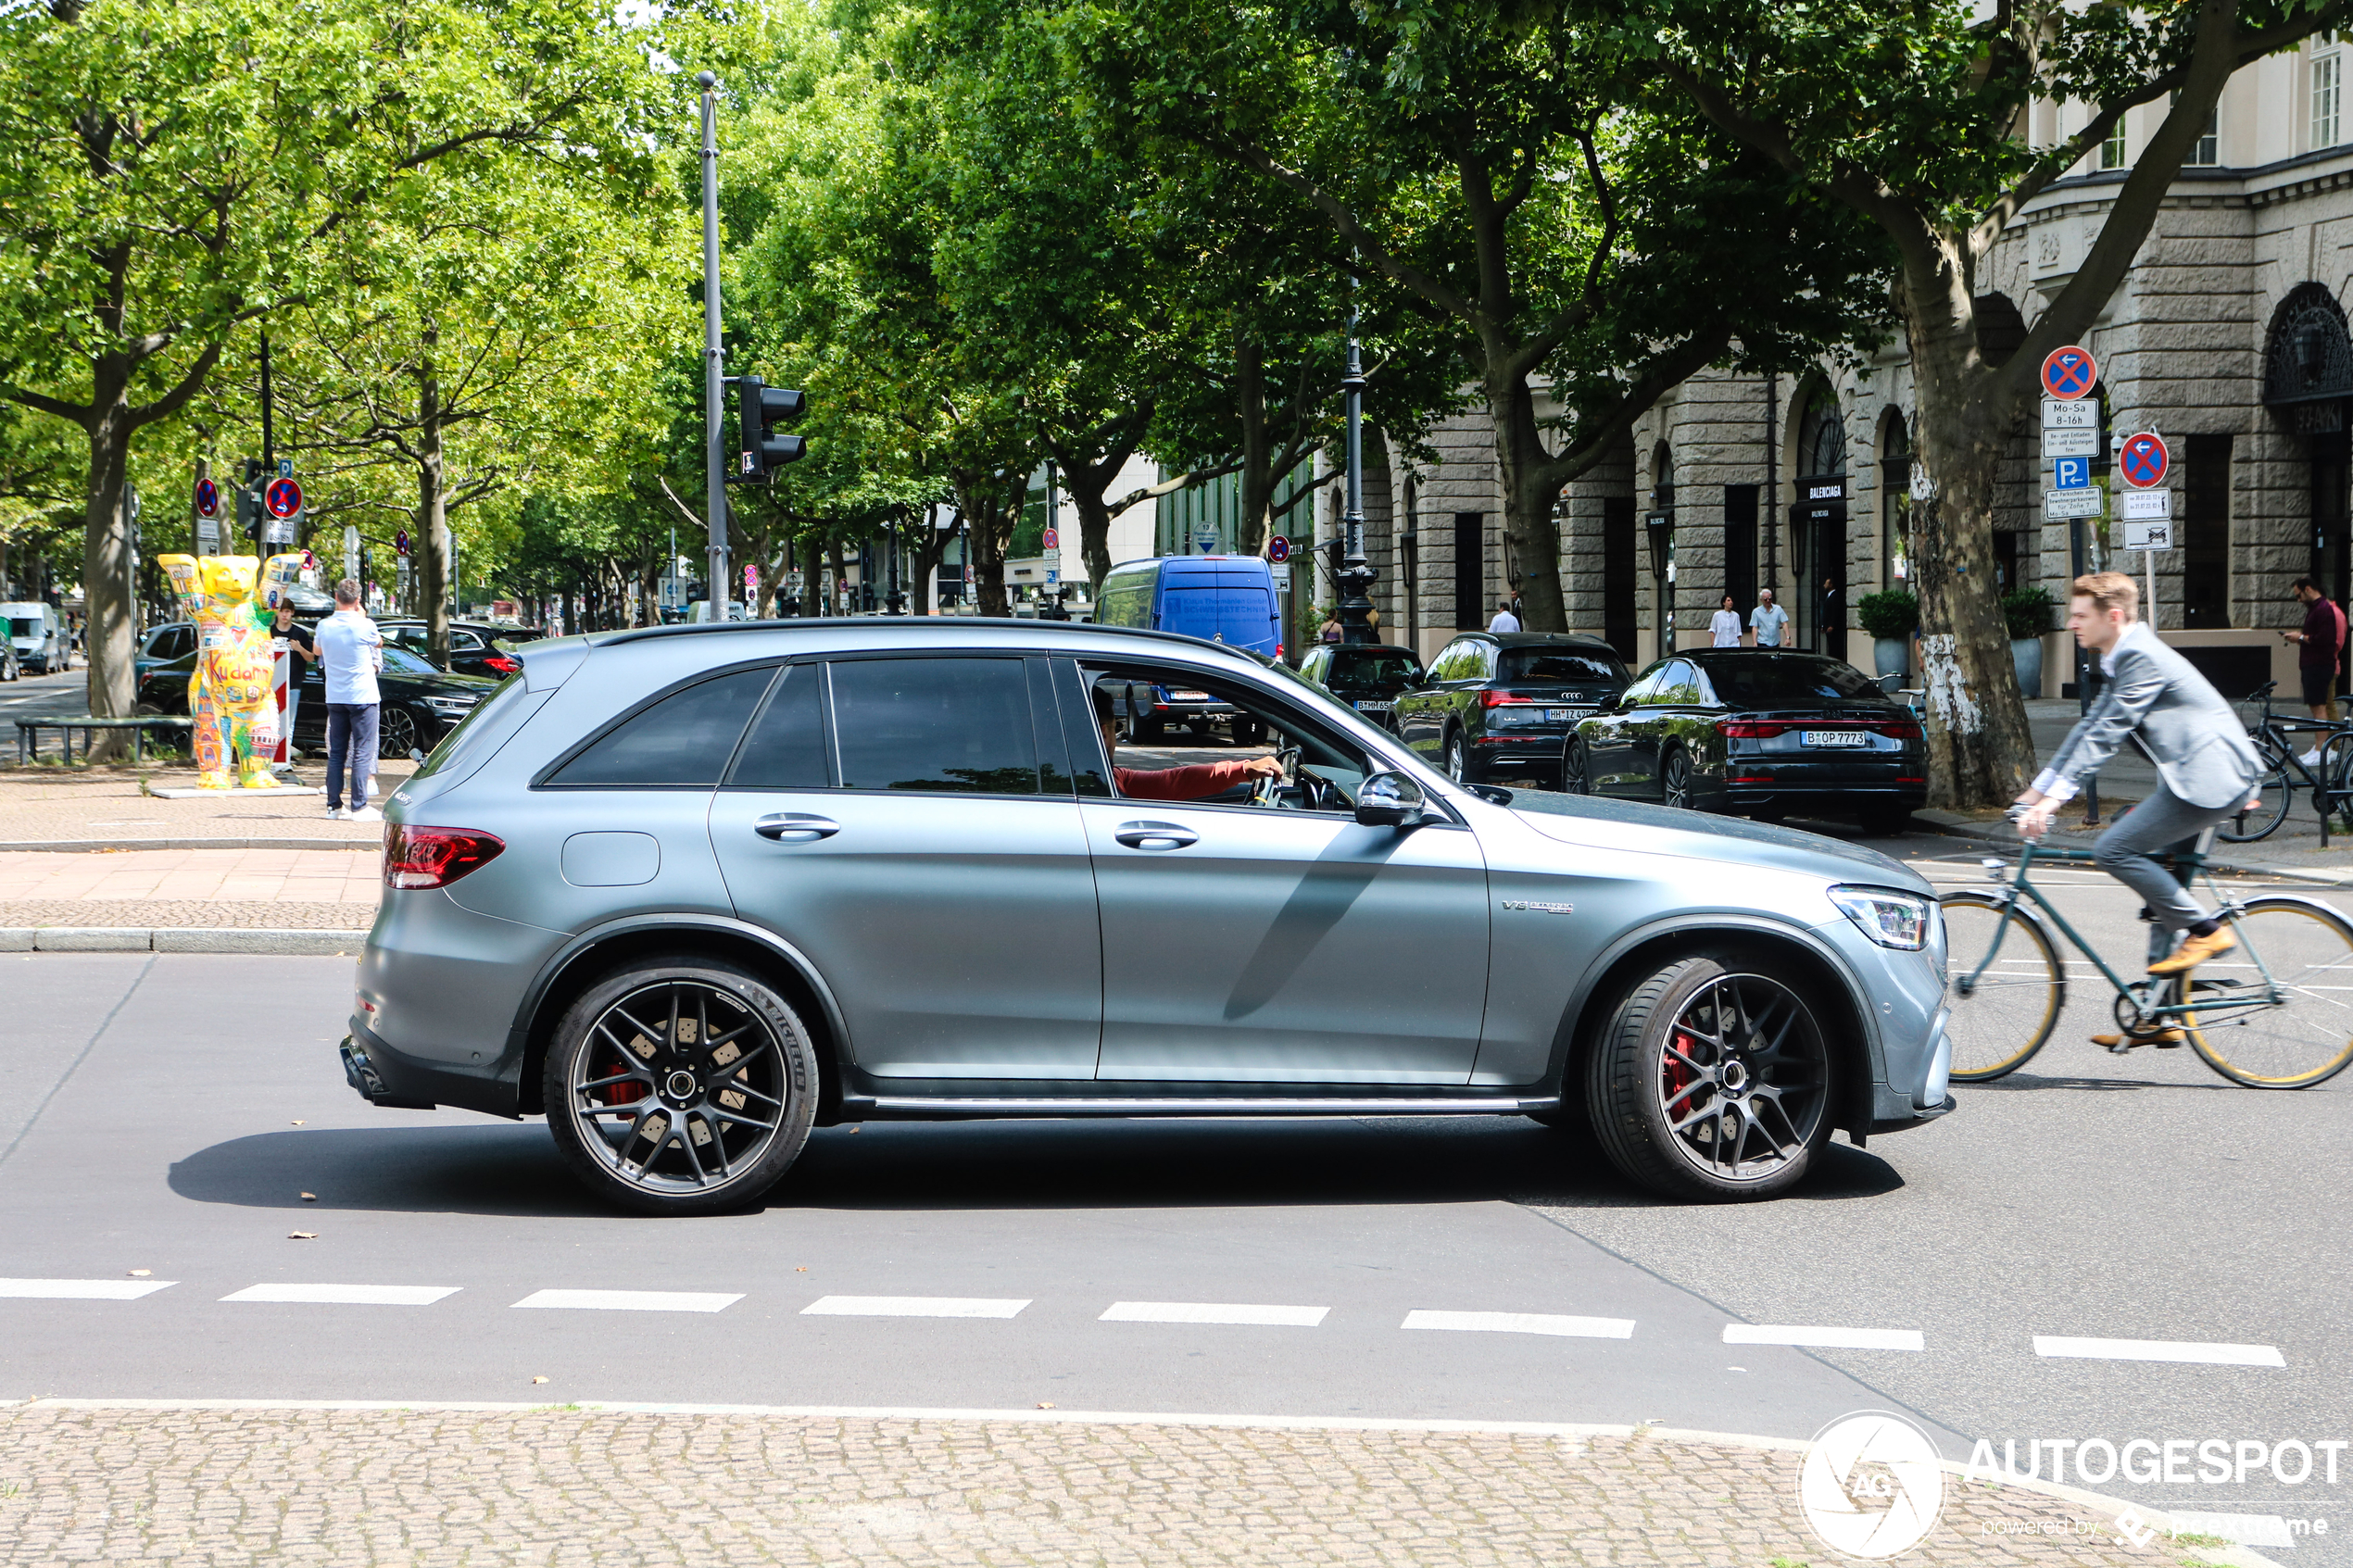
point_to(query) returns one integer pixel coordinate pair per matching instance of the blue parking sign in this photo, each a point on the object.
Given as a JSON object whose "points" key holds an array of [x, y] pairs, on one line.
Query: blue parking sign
{"points": [[2070, 474]]}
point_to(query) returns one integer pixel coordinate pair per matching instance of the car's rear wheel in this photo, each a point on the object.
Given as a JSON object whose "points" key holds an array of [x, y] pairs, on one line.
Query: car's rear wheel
{"points": [[1577, 773], [1459, 765], [1675, 780], [1249, 732], [1712, 1080], [396, 732], [679, 1088]]}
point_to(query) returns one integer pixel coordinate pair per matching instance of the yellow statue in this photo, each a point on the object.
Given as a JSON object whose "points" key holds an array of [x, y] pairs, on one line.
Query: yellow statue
{"points": [[230, 693]]}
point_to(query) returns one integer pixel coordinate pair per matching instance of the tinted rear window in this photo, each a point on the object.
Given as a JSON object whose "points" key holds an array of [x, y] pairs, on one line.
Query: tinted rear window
{"points": [[684, 739], [958, 725], [1783, 680], [1370, 668], [1560, 667]]}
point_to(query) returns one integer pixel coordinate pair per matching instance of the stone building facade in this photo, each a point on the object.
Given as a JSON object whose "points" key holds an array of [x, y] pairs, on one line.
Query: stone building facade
{"points": [[2227, 337]]}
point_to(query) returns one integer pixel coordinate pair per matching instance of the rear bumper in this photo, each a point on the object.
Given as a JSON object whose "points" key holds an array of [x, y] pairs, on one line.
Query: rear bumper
{"points": [[386, 1079]]}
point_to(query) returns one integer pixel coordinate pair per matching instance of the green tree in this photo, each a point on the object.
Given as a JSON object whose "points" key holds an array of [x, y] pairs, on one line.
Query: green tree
{"points": [[1916, 118]]}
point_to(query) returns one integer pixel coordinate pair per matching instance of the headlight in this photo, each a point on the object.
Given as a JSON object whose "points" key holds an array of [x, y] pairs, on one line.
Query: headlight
{"points": [[449, 703], [1890, 918]]}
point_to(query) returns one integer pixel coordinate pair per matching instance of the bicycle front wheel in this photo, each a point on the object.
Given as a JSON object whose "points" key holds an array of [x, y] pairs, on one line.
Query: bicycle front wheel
{"points": [[2006, 985], [2276, 1012], [2278, 794]]}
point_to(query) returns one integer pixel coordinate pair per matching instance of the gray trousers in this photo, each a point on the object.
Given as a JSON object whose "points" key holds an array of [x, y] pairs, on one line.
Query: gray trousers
{"points": [[2162, 821]]}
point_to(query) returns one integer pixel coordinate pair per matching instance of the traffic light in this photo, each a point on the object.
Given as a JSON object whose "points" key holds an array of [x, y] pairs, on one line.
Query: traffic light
{"points": [[762, 409], [249, 513]]}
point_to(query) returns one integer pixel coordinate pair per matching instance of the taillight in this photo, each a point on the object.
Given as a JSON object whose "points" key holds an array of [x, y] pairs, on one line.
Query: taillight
{"points": [[502, 664], [1899, 728], [1500, 699], [1751, 729], [422, 858]]}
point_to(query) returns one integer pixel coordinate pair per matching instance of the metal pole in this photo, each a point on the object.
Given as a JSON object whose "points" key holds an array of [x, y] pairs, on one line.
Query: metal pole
{"points": [[713, 391], [1355, 576], [268, 446]]}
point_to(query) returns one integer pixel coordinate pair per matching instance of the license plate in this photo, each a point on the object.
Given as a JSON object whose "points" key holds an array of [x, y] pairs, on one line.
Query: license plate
{"points": [[1834, 737], [1189, 697], [1376, 707], [1566, 715]]}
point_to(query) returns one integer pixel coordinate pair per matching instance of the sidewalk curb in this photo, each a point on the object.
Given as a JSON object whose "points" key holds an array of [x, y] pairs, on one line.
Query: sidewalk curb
{"points": [[1951, 824], [2236, 1556], [95, 845], [179, 939]]}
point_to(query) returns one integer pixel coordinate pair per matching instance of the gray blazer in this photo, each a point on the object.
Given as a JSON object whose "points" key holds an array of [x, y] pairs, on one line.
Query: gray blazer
{"points": [[2158, 697]]}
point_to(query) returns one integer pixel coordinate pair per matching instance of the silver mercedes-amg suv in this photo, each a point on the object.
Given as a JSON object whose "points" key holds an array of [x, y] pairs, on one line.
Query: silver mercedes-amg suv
{"points": [[692, 891]]}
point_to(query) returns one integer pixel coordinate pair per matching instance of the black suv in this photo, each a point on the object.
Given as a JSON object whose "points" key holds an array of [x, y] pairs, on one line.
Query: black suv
{"points": [[1499, 704], [475, 647], [1369, 677]]}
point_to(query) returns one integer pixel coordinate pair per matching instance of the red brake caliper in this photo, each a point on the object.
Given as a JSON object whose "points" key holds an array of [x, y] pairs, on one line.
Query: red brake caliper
{"points": [[1678, 1074], [624, 1093]]}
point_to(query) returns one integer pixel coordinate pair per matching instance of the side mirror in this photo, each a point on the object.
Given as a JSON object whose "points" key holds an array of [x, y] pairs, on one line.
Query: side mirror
{"points": [[1388, 800]]}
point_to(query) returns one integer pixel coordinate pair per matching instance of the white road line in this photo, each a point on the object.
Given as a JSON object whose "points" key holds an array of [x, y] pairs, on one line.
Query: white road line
{"points": [[82, 1289], [345, 1295], [912, 1307], [1524, 1323], [1824, 1338], [1214, 1312], [2158, 1350], [633, 1300]]}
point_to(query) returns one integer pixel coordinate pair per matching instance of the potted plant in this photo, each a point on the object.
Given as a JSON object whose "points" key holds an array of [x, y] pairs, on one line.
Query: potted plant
{"points": [[2028, 610], [1890, 618]]}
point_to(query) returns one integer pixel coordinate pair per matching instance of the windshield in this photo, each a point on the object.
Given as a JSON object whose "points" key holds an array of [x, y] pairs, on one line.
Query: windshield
{"points": [[1523, 667], [407, 663], [24, 628], [1783, 680]]}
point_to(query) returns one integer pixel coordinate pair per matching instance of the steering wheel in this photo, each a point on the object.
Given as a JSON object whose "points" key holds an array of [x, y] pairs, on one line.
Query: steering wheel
{"points": [[1270, 788]]}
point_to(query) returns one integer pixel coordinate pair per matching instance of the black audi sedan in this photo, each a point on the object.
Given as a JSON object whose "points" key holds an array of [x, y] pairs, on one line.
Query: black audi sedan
{"points": [[1498, 705], [1760, 732], [1367, 676], [421, 703]]}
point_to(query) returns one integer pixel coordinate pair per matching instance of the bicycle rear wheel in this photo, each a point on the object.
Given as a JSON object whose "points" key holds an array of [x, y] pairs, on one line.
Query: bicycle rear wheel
{"points": [[2299, 951], [2278, 794], [2001, 1017]]}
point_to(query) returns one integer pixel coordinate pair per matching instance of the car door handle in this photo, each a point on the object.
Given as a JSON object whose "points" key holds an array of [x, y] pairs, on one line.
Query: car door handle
{"points": [[795, 827], [1156, 835]]}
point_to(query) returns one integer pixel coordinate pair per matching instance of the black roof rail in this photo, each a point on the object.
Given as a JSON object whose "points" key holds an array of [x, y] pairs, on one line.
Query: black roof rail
{"points": [[900, 622]]}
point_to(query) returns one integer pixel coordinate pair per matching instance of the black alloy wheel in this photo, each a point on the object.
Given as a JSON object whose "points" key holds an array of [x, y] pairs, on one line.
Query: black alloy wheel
{"points": [[1713, 1080], [1577, 775], [681, 1087], [396, 732], [1675, 780]]}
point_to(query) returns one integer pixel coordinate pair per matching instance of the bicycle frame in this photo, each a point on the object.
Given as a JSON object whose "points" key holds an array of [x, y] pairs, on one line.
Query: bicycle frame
{"points": [[2228, 909]]}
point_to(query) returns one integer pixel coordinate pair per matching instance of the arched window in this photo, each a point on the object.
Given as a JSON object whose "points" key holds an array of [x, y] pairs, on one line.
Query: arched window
{"points": [[1895, 500], [1821, 435]]}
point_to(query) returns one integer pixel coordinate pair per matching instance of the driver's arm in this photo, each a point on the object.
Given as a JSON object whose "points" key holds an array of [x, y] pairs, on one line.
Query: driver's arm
{"points": [[1196, 782]]}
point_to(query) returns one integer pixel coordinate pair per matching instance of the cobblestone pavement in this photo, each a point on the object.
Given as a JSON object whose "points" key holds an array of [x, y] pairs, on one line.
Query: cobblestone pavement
{"points": [[53, 804], [127, 913], [223, 1486]]}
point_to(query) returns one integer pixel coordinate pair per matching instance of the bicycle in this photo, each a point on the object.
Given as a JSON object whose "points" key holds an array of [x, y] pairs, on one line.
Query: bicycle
{"points": [[2332, 785], [2276, 1013]]}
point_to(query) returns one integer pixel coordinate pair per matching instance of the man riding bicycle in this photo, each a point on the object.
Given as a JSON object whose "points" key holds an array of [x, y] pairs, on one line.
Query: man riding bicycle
{"points": [[2207, 768]]}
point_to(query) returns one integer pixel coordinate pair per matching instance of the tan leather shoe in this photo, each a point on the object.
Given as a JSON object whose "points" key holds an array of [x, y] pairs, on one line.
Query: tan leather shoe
{"points": [[2163, 1039], [2195, 951]]}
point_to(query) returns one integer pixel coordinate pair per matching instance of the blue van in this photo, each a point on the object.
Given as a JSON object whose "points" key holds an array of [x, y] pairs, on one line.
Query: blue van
{"points": [[1227, 600]]}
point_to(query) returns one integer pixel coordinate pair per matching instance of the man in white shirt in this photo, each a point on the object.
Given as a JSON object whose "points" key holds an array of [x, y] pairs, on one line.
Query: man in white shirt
{"points": [[1769, 621], [1505, 620], [352, 650]]}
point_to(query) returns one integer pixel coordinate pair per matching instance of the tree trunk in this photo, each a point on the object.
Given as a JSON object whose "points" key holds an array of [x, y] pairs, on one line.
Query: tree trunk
{"points": [[839, 603], [432, 514], [927, 557], [109, 615], [990, 531], [1530, 491], [1257, 473]]}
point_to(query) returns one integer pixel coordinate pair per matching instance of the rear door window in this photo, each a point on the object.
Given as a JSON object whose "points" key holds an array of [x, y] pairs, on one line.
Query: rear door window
{"points": [[936, 725], [684, 740]]}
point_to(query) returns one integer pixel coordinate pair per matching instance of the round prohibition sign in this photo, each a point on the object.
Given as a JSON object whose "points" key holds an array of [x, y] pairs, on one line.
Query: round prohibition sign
{"points": [[283, 497], [2070, 372], [2143, 460], [207, 498], [1277, 549]]}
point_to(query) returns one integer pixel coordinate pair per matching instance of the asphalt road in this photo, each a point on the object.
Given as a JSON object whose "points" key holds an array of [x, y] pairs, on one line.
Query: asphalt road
{"points": [[170, 1113], [55, 695]]}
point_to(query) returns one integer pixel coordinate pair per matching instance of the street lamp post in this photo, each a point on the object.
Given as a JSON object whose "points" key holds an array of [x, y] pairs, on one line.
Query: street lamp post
{"points": [[714, 389], [1356, 574]]}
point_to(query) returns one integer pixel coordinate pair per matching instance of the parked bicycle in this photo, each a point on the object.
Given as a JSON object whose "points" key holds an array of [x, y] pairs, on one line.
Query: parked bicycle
{"points": [[2330, 777], [2276, 1012]]}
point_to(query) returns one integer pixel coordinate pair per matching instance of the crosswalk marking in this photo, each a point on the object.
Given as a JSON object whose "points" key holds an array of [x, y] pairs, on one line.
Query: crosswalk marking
{"points": [[345, 1295], [912, 1307], [2205, 1353], [633, 1300], [1524, 1323], [1214, 1312], [82, 1289], [1824, 1338]]}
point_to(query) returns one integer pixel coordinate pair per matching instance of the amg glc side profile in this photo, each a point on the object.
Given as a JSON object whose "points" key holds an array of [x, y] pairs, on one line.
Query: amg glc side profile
{"points": [[691, 891]]}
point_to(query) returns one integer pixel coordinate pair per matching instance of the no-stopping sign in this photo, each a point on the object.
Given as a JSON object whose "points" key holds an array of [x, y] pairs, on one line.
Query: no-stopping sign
{"points": [[2143, 459]]}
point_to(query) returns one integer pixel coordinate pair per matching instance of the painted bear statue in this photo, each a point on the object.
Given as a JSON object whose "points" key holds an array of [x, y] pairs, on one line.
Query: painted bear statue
{"points": [[233, 599]]}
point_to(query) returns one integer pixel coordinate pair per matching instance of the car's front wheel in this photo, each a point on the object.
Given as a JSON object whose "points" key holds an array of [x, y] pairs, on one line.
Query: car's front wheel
{"points": [[1712, 1080], [681, 1087]]}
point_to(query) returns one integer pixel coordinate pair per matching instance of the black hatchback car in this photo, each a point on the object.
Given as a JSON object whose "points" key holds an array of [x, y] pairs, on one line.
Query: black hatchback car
{"points": [[421, 703], [1760, 732], [1499, 704], [1369, 677]]}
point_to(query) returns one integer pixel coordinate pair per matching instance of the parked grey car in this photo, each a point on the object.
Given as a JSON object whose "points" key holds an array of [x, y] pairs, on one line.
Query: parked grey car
{"points": [[690, 891]]}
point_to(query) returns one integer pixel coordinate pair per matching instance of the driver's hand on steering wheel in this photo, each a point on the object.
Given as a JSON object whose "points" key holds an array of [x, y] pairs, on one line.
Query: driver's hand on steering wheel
{"points": [[1263, 767]]}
